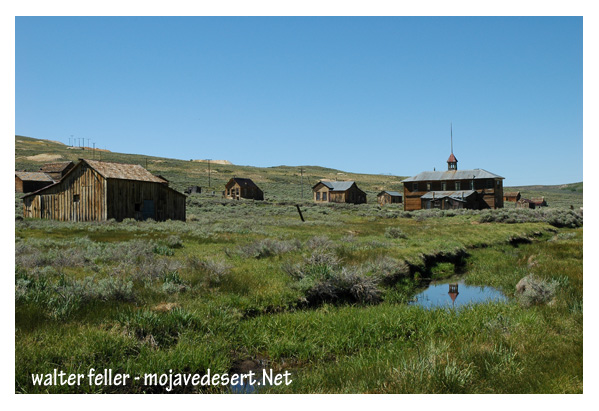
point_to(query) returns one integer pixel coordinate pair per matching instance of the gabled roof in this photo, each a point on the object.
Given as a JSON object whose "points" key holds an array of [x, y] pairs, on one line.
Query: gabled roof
{"points": [[476, 174], [33, 176], [511, 193], [391, 193], [55, 167], [121, 171], [243, 182], [455, 195], [118, 171], [337, 185]]}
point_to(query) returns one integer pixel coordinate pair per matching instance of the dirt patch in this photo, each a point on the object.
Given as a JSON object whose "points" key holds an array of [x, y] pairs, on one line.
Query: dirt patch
{"points": [[44, 157], [165, 307], [224, 162]]}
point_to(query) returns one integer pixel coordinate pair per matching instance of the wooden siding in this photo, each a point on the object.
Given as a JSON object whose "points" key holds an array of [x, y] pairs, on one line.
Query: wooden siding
{"points": [[491, 191], [352, 195], [131, 199], [29, 186], [78, 197], [236, 192], [85, 195], [388, 199]]}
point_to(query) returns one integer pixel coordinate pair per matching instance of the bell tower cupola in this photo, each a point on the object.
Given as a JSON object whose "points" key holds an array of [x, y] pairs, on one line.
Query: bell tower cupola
{"points": [[452, 162]]}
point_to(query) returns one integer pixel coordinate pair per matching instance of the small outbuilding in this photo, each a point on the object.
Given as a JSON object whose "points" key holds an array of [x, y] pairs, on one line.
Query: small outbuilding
{"points": [[539, 201], [525, 203], [57, 170], [511, 196], [389, 197], [193, 190], [99, 190], [238, 188], [338, 192], [27, 182]]}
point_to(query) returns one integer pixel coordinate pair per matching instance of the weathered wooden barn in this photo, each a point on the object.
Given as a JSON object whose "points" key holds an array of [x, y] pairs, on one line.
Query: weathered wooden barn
{"points": [[57, 170], [338, 192], [389, 197], [474, 189], [238, 188], [98, 190], [27, 182], [511, 196]]}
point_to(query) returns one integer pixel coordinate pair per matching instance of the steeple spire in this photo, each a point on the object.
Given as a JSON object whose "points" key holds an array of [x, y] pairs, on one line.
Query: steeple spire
{"points": [[452, 162]]}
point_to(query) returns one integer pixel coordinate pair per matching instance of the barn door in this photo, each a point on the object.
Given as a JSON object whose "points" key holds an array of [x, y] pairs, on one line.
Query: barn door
{"points": [[148, 210]]}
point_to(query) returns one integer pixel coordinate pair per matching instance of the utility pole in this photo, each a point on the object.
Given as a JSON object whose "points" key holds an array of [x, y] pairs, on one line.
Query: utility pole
{"points": [[302, 181], [94, 152], [88, 143], [209, 172]]}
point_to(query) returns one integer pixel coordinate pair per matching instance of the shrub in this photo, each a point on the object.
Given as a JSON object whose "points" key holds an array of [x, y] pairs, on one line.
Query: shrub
{"points": [[534, 291], [394, 232], [268, 248]]}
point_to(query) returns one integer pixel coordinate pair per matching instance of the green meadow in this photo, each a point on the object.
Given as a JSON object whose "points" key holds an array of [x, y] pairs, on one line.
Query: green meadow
{"points": [[328, 299]]}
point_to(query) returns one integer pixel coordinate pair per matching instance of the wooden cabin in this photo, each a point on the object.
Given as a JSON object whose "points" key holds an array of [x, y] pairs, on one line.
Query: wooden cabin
{"points": [[238, 188], [98, 190], [539, 201], [389, 197], [474, 189], [338, 192], [525, 203], [511, 196], [27, 182], [57, 170]]}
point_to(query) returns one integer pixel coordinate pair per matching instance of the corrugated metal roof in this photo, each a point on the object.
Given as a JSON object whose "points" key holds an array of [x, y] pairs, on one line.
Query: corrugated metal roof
{"points": [[121, 171], [33, 176], [55, 167], [456, 195], [391, 193], [338, 185], [477, 173]]}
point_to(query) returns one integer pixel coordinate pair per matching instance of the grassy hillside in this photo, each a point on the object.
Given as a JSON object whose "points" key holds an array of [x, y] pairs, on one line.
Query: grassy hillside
{"points": [[278, 183]]}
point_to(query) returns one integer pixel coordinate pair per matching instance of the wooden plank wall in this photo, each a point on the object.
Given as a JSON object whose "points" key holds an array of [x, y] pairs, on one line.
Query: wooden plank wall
{"points": [[123, 195], [58, 202]]}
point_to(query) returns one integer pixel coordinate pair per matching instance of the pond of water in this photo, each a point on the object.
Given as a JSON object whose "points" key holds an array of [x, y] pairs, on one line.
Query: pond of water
{"points": [[454, 294]]}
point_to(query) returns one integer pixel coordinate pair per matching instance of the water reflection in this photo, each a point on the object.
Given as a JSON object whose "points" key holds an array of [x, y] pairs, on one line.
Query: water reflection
{"points": [[455, 294]]}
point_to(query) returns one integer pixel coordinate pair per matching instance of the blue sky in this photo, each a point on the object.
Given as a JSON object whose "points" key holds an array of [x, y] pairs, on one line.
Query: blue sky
{"points": [[371, 95]]}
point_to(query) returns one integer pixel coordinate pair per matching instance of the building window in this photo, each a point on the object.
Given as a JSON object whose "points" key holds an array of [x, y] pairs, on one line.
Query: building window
{"points": [[428, 186], [472, 185], [324, 196], [137, 206], [318, 195], [458, 186], [489, 183], [415, 187], [443, 186], [75, 198]]}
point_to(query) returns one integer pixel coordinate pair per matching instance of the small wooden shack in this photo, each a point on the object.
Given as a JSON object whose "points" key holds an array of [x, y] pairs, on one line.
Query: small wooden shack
{"points": [[525, 203], [389, 197], [99, 190], [193, 190], [238, 188], [511, 196], [338, 192], [57, 170], [539, 201], [27, 182]]}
